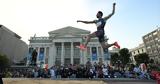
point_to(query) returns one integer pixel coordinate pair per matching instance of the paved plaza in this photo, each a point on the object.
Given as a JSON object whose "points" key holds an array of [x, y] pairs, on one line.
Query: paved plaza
{"points": [[73, 81]]}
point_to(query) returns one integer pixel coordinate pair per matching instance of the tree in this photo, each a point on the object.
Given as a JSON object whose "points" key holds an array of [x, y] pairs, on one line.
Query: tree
{"points": [[114, 58], [142, 58], [4, 62], [124, 56]]}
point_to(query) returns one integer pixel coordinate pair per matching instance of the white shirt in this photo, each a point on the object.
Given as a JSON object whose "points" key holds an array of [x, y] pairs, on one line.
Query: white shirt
{"points": [[105, 71], [136, 69], [52, 72]]}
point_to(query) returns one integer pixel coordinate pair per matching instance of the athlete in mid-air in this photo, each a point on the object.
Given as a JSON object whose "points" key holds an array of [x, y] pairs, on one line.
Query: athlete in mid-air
{"points": [[100, 23]]}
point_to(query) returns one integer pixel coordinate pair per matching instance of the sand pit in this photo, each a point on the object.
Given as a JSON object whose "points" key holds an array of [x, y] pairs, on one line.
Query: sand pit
{"points": [[48, 81]]}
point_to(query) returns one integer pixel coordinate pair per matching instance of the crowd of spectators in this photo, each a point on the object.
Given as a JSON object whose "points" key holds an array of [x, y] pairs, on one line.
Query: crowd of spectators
{"points": [[89, 70]]}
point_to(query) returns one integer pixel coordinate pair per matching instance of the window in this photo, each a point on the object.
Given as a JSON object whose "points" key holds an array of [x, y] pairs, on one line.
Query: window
{"points": [[67, 61], [76, 60], [67, 51], [58, 61], [157, 44], [148, 47], [146, 37], [58, 51], [151, 41], [142, 50], [134, 52], [76, 52], [147, 42], [155, 33], [156, 38]]}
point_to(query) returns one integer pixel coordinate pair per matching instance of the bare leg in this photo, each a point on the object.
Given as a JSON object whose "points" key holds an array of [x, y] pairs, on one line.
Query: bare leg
{"points": [[92, 35], [104, 46]]}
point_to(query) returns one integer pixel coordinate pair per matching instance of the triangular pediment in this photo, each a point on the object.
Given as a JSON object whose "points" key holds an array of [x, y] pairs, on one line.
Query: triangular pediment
{"points": [[69, 30]]}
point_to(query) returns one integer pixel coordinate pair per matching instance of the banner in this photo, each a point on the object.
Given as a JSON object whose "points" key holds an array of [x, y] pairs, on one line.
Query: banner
{"points": [[107, 55], [94, 53], [41, 54]]}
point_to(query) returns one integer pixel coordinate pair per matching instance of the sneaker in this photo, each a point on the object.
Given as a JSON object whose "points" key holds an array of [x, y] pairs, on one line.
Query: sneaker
{"points": [[117, 45]]}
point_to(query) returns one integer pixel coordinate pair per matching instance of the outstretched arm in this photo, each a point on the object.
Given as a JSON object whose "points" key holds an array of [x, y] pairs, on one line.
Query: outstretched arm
{"points": [[113, 11], [86, 22]]}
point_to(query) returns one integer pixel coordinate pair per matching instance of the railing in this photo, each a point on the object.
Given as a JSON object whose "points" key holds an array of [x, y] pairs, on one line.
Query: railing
{"points": [[39, 38]]}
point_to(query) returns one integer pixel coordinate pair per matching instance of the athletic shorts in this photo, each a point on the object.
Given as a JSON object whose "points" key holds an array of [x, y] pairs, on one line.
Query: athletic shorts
{"points": [[100, 35]]}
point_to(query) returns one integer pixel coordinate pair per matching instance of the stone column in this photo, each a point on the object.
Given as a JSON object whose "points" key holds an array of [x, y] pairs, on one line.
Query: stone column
{"points": [[81, 57], [81, 53], [38, 49], [97, 54], [54, 53], [91, 54], [45, 53], [62, 53], [85, 57], [72, 52], [51, 54], [102, 53]]}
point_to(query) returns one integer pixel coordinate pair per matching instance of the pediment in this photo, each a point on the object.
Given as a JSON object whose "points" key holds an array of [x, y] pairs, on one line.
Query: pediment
{"points": [[69, 30]]}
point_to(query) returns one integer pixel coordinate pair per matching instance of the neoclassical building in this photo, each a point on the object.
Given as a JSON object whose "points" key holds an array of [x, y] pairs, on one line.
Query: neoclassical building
{"points": [[137, 50], [152, 44], [60, 48]]}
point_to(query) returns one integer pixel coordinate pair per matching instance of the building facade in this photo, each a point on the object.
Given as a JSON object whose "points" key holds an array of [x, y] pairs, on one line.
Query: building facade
{"points": [[152, 44], [137, 50], [60, 48], [12, 46]]}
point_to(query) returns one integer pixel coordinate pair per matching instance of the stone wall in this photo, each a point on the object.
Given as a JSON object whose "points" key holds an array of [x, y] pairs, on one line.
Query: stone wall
{"points": [[12, 46]]}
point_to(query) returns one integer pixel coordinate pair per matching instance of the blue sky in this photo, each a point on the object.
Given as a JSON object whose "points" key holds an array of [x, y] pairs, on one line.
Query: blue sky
{"points": [[132, 20]]}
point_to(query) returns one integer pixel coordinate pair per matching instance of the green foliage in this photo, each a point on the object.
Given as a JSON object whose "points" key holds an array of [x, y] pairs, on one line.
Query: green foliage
{"points": [[4, 62], [114, 58], [142, 58], [154, 67], [124, 56]]}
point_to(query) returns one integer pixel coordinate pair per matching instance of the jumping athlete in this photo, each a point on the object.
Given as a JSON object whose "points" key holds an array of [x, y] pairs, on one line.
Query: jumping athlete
{"points": [[100, 23]]}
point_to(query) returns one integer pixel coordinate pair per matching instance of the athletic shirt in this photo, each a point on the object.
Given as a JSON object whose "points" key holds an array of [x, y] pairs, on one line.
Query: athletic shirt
{"points": [[100, 23]]}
